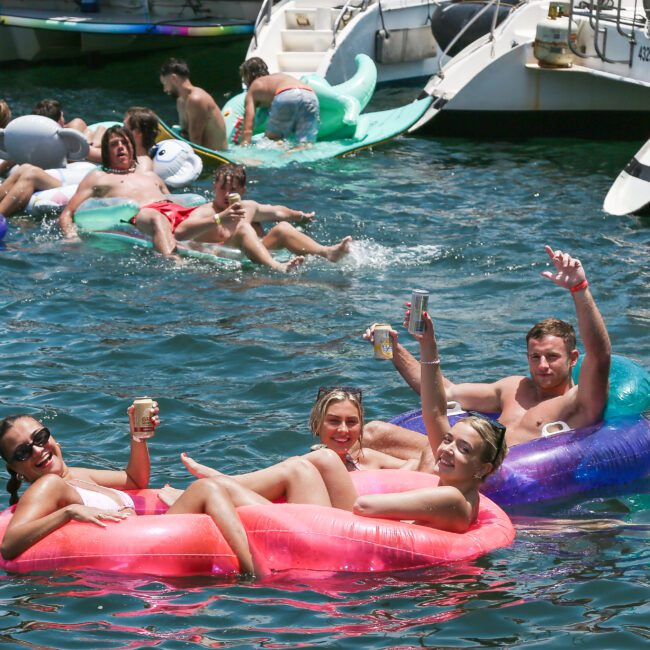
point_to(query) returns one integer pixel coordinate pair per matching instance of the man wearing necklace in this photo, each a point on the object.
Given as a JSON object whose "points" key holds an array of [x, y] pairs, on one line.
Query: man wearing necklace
{"points": [[525, 404], [166, 222]]}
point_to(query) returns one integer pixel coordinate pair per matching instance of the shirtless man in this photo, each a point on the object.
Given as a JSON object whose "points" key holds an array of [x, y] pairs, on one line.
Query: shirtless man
{"points": [[52, 108], [120, 176], [236, 225], [525, 404], [200, 118], [166, 222], [293, 106]]}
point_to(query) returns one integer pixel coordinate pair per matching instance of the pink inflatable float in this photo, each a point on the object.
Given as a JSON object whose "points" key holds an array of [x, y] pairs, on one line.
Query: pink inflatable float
{"points": [[283, 537]]}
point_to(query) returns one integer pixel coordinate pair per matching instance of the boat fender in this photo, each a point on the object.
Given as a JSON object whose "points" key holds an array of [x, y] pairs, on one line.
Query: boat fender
{"points": [[176, 163], [41, 141]]}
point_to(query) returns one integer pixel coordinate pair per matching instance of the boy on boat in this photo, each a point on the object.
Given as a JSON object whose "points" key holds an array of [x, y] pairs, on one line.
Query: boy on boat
{"points": [[293, 106]]}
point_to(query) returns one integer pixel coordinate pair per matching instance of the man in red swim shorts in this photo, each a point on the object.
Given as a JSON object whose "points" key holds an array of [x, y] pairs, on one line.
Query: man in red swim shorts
{"points": [[237, 225]]}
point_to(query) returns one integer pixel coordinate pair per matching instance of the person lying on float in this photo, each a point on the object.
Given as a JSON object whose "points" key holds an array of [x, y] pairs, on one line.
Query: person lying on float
{"points": [[167, 222], [524, 404]]}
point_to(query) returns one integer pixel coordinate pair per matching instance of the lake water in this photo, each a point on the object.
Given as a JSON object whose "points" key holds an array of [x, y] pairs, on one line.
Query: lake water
{"points": [[235, 359]]}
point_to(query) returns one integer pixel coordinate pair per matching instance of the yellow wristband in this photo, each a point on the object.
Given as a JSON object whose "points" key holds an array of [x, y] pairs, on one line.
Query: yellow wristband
{"points": [[217, 219]]}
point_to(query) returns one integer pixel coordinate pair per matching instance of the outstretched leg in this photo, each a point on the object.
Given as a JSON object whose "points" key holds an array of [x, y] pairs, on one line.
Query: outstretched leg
{"points": [[153, 223], [218, 498], [18, 189], [245, 238], [318, 478], [285, 235]]}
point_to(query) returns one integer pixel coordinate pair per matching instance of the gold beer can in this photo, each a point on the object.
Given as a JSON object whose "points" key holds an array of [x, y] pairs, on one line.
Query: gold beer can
{"points": [[142, 424], [233, 197], [383, 344]]}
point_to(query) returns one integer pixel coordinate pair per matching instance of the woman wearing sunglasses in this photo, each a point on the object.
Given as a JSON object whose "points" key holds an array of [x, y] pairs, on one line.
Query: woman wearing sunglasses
{"points": [[464, 455], [59, 493]]}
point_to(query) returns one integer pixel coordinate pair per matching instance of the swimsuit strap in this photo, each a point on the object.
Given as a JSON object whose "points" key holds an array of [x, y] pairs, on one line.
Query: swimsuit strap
{"points": [[285, 88]]}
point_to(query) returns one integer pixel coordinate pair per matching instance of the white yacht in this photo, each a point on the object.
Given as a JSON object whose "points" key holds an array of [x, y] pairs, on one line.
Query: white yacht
{"points": [[53, 29], [407, 39], [550, 68]]}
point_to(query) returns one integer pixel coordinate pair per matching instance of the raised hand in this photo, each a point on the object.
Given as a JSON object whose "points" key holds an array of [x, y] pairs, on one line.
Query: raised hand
{"points": [[369, 334], [569, 272], [155, 419]]}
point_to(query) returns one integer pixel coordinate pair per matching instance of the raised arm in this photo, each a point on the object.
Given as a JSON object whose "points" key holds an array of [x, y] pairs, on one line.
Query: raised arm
{"points": [[138, 469], [593, 383], [266, 212], [433, 395]]}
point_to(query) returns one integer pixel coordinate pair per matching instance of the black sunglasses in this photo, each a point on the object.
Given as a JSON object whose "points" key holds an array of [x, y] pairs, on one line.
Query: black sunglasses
{"points": [[501, 430], [326, 390], [24, 451]]}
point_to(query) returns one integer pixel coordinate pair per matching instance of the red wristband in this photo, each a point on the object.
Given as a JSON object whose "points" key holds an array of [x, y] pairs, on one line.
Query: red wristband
{"points": [[579, 287]]}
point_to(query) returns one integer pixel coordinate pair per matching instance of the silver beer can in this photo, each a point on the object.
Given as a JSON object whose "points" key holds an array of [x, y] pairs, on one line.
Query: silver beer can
{"points": [[142, 424], [382, 343], [419, 304]]}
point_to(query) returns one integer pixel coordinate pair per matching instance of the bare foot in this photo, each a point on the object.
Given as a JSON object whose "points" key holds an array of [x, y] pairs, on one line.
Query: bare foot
{"points": [[198, 470], [293, 263], [336, 252], [169, 495]]}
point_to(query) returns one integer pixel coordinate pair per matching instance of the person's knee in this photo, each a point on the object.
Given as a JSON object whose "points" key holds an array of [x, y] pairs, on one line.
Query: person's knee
{"points": [[299, 468], [374, 433], [362, 506]]}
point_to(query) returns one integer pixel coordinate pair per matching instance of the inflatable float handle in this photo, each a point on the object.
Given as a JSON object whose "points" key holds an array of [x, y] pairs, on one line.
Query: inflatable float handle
{"points": [[454, 408], [553, 428], [76, 145]]}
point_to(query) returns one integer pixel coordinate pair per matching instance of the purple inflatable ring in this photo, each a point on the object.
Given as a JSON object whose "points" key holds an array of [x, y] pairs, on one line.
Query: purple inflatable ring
{"points": [[573, 463]]}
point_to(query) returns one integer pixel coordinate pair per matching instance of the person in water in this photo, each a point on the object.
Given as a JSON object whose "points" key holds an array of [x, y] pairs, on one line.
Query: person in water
{"points": [[294, 111], [59, 493], [231, 178], [525, 404], [337, 420], [200, 117], [166, 222], [464, 454]]}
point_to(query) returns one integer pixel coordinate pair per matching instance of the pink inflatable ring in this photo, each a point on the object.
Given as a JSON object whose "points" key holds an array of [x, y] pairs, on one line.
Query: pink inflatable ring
{"points": [[283, 537]]}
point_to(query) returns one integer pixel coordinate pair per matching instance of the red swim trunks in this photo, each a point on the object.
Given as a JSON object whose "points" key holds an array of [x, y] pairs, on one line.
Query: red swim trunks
{"points": [[174, 212]]}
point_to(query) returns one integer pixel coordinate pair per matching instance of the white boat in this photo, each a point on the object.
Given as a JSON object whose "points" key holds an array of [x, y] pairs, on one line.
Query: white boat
{"points": [[40, 30], [630, 192], [407, 39], [550, 68]]}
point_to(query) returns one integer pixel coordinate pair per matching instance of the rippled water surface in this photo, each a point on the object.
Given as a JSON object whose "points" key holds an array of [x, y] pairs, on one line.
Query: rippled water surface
{"points": [[235, 359]]}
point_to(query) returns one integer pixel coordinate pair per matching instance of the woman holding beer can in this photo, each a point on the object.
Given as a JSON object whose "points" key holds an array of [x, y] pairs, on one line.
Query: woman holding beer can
{"points": [[59, 493]]}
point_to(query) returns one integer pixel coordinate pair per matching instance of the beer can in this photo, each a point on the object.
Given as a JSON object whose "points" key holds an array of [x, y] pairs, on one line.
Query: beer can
{"points": [[142, 424], [419, 304], [383, 344], [233, 197]]}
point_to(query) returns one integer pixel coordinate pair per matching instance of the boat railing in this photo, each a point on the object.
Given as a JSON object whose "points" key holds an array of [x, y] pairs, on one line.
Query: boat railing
{"points": [[469, 23], [346, 10], [596, 9], [264, 13]]}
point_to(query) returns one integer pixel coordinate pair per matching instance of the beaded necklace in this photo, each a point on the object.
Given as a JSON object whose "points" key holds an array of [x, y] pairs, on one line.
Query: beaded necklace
{"points": [[111, 170]]}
